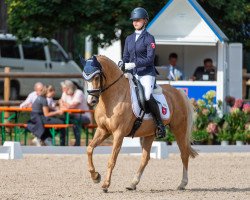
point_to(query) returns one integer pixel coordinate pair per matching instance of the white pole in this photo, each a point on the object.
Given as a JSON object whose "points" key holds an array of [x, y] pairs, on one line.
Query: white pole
{"points": [[88, 47]]}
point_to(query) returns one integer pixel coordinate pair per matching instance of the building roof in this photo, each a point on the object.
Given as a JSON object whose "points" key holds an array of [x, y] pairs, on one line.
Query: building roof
{"points": [[185, 22]]}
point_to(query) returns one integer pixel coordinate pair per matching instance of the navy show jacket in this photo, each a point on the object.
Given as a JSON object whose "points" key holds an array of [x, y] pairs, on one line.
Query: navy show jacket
{"points": [[141, 52]]}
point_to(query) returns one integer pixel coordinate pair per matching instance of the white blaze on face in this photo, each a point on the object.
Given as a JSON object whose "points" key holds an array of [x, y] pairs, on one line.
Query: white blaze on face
{"points": [[89, 87]]}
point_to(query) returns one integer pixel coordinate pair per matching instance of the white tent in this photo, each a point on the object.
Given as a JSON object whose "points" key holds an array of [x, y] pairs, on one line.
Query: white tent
{"points": [[183, 27]]}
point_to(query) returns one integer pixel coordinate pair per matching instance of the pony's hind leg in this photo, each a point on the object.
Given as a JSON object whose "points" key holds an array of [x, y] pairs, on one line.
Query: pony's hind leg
{"points": [[146, 147], [100, 135]]}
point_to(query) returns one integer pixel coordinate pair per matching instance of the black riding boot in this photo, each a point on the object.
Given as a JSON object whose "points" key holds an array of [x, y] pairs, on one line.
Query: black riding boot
{"points": [[154, 110]]}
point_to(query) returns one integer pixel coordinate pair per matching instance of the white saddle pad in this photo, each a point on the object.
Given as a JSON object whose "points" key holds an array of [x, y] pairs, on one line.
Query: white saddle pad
{"points": [[159, 97]]}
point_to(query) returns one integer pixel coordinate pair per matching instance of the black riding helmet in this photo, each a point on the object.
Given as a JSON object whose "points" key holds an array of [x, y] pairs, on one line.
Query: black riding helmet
{"points": [[139, 13]]}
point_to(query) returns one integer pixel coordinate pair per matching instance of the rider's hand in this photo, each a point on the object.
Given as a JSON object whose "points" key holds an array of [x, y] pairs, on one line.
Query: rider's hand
{"points": [[129, 66]]}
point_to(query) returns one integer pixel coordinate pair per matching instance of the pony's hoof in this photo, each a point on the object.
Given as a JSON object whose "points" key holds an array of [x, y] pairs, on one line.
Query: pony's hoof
{"points": [[181, 187], [105, 190], [98, 179], [131, 187]]}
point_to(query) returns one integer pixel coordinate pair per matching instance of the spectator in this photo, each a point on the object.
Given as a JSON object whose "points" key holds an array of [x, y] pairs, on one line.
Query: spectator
{"points": [[50, 94], [206, 72], [41, 115], [38, 87], [74, 98], [173, 71]]}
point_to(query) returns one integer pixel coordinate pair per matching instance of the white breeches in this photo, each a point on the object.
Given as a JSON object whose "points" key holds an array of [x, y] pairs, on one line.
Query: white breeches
{"points": [[147, 82]]}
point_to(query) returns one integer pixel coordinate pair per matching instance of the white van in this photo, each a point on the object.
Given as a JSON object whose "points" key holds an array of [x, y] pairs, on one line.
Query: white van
{"points": [[39, 56]]}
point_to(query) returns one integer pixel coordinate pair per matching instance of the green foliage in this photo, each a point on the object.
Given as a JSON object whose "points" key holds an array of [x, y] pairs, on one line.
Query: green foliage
{"points": [[232, 16], [100, 19], [200, 135], [170, 136], [206, 111], [240, 136], [235, 121], [224, 135]]}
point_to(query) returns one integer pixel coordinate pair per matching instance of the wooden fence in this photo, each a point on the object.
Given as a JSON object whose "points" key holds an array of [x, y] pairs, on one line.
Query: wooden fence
{"points": [[7, 75]]}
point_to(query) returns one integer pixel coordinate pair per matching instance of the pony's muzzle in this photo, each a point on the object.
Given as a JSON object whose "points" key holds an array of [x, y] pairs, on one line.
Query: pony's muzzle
{"points": [[92, 100]]}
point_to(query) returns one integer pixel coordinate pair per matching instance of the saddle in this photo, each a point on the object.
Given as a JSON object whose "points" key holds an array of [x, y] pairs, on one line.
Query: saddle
{"points": [[142, 104], [141, 96]]}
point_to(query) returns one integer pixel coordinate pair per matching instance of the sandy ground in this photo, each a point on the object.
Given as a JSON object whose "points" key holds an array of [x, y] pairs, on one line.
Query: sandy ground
{"points": [[211, 176]]}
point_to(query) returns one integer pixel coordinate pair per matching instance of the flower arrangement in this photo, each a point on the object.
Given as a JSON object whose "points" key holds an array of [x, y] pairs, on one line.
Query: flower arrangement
{"points": [[208, 117], [237, 118]]}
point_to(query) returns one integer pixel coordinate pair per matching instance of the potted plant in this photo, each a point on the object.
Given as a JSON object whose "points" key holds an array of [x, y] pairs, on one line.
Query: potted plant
{"points": [[224, 137], [200, 136], [239, 137], [247, 133]]}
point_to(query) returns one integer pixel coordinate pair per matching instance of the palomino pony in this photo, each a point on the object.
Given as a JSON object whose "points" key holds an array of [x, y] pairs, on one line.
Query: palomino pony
{"points": [[109, 90]]}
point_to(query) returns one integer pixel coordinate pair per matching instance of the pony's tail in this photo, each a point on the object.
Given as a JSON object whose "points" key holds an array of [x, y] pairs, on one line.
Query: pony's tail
{"points": [[190, 118]]}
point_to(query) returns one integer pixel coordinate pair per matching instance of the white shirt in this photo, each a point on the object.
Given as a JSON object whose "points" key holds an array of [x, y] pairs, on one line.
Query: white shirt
{"points": [[29, 100], [77, 97], [51, 103], [138, 33]]}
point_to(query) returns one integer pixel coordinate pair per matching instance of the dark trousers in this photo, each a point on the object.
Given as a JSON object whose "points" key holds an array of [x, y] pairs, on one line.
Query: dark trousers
{"points": [[78, 122]]}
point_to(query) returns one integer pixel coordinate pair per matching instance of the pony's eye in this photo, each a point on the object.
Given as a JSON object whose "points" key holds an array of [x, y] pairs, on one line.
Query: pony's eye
{"points": [[97, 78]]}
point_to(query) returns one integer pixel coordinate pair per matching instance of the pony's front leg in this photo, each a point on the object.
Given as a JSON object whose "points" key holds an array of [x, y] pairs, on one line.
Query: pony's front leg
{"points": [[146, 147], [117, 143], [100, 135]]}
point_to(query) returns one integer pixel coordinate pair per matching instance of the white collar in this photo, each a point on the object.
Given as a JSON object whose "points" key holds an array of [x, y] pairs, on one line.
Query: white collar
{"points": [[138, 32]]}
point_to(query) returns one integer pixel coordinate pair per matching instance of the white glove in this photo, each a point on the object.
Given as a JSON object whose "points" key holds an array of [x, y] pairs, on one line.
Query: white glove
{"points": [[129, 66]]}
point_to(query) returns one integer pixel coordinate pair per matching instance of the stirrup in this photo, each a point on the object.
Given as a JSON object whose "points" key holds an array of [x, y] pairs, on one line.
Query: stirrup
{"points": [[161, 132]]}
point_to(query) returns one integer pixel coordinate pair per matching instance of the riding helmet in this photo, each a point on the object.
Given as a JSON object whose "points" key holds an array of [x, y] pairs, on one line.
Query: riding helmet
{"points": [[139, 13]]}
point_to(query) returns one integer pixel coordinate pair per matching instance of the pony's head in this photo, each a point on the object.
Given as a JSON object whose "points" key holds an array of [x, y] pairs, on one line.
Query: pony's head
{"points": [[93, 75]]}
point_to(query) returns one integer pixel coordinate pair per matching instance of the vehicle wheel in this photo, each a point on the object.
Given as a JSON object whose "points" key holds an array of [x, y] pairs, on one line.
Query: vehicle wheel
{"points": [[14, 92]]}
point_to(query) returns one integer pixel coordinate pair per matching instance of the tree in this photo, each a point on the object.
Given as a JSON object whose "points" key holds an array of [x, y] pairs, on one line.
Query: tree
{"points": [[103, 18], [232, 16], [100, 19]]}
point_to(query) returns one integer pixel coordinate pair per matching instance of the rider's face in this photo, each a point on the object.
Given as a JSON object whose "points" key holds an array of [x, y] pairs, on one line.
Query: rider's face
{"points": [[139, 23]]}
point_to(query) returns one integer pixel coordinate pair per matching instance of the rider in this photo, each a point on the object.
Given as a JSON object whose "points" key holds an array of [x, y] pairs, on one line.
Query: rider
{"points": [[138, 56]]}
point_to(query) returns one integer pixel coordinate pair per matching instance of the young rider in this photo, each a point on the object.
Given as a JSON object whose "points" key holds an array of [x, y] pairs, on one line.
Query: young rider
{"points": [[138, 56]]}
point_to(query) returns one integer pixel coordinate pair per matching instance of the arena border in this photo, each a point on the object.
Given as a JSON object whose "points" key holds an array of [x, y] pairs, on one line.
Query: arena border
{"points": [[132, 149]]}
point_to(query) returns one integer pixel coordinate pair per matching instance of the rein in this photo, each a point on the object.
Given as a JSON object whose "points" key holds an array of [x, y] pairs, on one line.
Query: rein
{"points": [[101, 90]]}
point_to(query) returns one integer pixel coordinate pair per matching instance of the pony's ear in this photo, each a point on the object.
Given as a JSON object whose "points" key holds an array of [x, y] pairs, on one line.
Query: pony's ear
{"points": [[96, 63], [83, 61]]}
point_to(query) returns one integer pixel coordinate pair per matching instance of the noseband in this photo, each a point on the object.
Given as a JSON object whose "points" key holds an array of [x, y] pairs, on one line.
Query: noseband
{"points": [[91, 68], [99, 91]]}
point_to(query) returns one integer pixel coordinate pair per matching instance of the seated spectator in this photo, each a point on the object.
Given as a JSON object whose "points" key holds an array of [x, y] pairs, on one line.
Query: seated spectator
{"points": [[206, 72], [50, 94], [41, 115], [38, 87], [173, 71], [74, 98]]}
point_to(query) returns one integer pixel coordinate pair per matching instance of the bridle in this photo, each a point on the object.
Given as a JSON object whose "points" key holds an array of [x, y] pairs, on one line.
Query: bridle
{"points": [[97, 70], [97, 92]]}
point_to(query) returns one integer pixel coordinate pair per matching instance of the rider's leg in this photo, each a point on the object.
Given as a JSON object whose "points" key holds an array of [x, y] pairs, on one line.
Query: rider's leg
{"points": [[148, 85]]}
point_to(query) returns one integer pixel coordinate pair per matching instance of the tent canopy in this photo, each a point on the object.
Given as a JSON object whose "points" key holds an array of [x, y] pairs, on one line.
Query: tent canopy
{"points": [[185, 22]]}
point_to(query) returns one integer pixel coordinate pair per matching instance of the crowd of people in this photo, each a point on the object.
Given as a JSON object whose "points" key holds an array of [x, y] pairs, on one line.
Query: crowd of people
{"points": [[45, 110], [207, 72]]}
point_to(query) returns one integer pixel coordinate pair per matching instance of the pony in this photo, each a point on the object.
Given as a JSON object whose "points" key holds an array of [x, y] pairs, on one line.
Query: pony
{"points": [[109, 90]]}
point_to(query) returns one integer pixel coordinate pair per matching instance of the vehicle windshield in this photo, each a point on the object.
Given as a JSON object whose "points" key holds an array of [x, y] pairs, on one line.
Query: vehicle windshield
{"points": [[56, 54]]}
